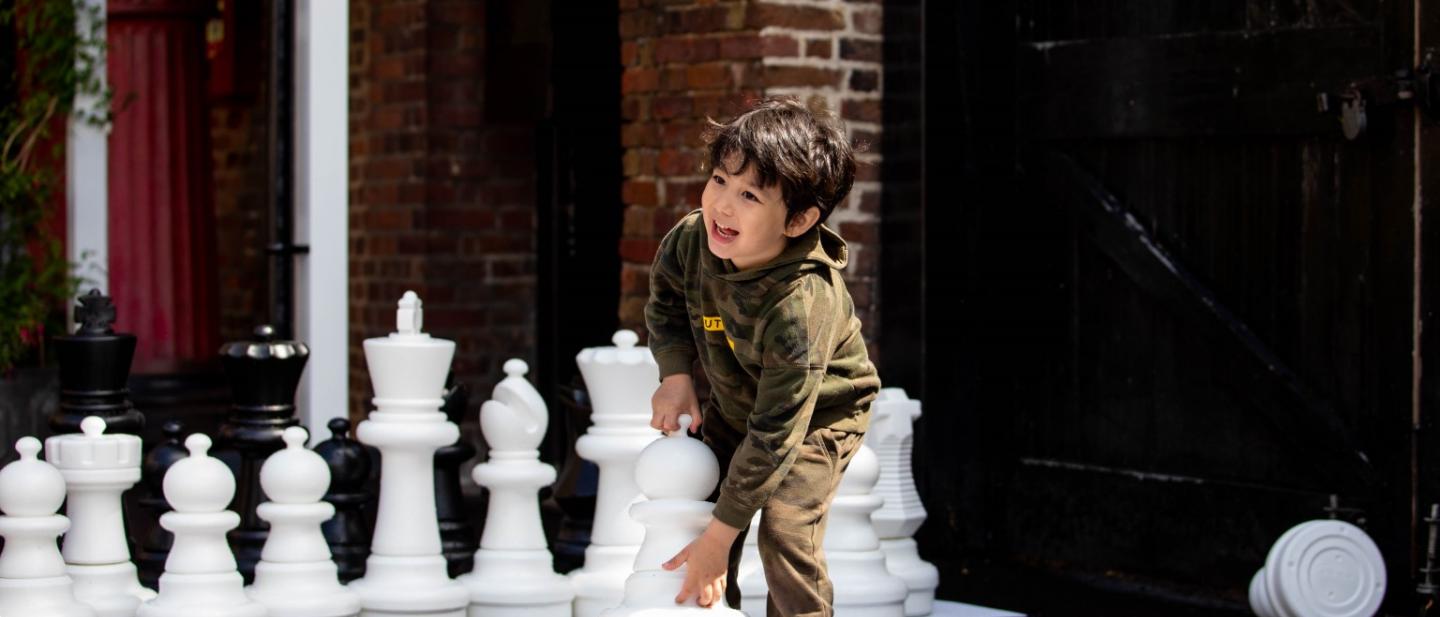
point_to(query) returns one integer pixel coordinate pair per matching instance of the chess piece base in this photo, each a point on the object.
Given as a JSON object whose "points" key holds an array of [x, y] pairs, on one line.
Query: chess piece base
{"points": [[308, 589], [863, 587], [600, 584], [212, 595], [517, 584], [651, 593], [902, 558], [52, 596], [111, 589], [411, 586]]}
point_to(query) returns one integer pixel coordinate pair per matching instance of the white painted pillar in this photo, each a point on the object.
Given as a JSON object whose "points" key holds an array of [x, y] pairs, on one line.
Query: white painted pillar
{"points": [[322, 155], [87, 223]]}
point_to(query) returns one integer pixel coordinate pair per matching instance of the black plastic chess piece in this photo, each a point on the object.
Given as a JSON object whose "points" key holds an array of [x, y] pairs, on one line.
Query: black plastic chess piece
{"points": [[579, 479], [457, 535], [347, 532], [263, 375], [94, 367], [150, 559]]}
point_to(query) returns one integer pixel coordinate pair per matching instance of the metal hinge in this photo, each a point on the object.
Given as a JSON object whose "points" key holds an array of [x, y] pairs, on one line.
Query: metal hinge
{"points": [[1420, 86]]}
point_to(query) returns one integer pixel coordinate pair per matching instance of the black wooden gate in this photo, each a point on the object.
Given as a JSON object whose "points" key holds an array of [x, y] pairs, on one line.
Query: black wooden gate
{"points": [[1178, 305]]}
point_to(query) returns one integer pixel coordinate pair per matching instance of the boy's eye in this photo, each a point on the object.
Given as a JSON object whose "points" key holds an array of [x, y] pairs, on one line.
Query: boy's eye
{"points": [[718, 179], [750, 196]]}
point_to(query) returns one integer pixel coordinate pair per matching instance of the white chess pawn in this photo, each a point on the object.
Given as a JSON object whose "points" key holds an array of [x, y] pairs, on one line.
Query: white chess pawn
{"points": [[863, 586], [620, 380], [676, 474], [295, 576], [406, 573], [751, 574], [892, 436], [32, 573], [200, 576], [514, 572], [98, 468]]}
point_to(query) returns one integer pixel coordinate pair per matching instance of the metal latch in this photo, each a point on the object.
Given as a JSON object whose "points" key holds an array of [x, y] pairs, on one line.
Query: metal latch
{"points": [[1420, 86]]}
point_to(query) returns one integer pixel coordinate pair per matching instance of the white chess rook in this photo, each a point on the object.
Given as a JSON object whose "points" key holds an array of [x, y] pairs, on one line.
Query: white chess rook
{"points": [[675, 474], [892, 436], [98, 468], [295, 576], [32, 573], [200, 576], [620, 380], [863, 586], [406, 572], [514, 572]]}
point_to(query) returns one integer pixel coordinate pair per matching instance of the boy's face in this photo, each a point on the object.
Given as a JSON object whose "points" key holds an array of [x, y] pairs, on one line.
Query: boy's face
{"points": [[744, 222]]}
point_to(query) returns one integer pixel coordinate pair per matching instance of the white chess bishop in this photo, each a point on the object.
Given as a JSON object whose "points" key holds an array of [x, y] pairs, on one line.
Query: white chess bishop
{"points": [[295, 576], [863, 586], [200, 576], [621, 380], [676, 474], [406, 572], [98, 468], [32, 573], [514, 573], [892, 436]]}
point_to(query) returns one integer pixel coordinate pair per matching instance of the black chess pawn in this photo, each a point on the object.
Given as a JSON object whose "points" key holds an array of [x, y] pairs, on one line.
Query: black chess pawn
{"points": [[347, 533], [579, 479], [150, 559], [457, 535], [263, 375], [94, 368]]}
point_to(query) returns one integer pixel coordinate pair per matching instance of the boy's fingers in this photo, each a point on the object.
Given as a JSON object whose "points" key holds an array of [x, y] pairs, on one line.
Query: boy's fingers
{"points": [[694, 420], [678, 559], [706, 596]]}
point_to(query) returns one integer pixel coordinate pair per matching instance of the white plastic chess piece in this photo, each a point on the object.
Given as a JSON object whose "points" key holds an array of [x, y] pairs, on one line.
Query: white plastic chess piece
{"points": [[98, 468], [1321, 568], [621, 381], [863, 586], [514, 572], [406, 573], [295, 576], [892, 436], [200, 576], [751, 574], [32, 573], [676, 474]]}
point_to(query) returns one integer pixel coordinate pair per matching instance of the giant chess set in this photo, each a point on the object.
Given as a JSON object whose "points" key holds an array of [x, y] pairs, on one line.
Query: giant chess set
{"points": [[254, 523]]}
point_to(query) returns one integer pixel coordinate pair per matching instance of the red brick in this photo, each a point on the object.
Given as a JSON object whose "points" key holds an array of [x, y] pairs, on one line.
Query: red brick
{"points": [[715, 76], [862, 51], [740, 47], [869, 201], [868, 21], [637, 162], [864, 81], [803, 76], [639, 192], [673, 78], [518, 220], [819, 48], [627, 53], [639, 80], [678, 163], [761, 15], [635, 108], [678, 134], [863, 111], [639, 134], [638, 250], [467, 217], [684, 193], [666, 107], [684, 50], [638, 223], [636, 24], [705, 19]]}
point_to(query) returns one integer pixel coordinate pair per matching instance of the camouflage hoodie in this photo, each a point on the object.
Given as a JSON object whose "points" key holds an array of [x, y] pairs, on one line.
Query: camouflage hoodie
{"points": [[779, 343]]}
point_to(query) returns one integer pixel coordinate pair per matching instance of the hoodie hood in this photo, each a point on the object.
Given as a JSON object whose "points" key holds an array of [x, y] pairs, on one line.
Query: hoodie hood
{"points": [[820, 247]]}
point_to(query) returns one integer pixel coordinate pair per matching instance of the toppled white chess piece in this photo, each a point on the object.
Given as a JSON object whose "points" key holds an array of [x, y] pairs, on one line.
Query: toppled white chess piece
{"points": [[200, 576], [863, 586], [98, 468], [676, 474], [32, 573], [406, 573], [514, 572], [620, 380], [892, 437], [295, 576], [1320, 568]]}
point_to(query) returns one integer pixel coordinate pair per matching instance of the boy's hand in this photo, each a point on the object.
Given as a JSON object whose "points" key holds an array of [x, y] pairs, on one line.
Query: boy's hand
{"points": [[675, 396], [709, 558]]}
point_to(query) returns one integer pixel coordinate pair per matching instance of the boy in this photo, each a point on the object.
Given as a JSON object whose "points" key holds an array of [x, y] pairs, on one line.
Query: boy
{"points": [[750, 283]]}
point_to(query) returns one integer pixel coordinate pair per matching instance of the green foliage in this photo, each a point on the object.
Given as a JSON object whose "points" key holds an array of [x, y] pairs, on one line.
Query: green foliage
{"points": [[52, 63]]}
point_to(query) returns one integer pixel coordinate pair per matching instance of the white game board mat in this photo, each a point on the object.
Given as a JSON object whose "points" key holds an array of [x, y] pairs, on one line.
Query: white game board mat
{"points": [[944, 608]]}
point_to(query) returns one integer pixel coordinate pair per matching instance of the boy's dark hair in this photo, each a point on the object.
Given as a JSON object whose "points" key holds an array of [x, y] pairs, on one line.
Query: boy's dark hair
{"points": [[805, 151]]}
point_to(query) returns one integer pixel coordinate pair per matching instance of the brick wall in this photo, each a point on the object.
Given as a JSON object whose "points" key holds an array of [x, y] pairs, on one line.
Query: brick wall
{"points": [[242, 204], [685, 61], [442, 197]]}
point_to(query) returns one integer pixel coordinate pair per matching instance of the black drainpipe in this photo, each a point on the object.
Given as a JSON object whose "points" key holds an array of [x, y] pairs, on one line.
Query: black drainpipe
{"points": [[282, 248]]}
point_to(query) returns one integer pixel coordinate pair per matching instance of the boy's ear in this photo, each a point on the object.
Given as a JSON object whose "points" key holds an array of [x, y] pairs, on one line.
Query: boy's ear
{"points": [[802, 222]]}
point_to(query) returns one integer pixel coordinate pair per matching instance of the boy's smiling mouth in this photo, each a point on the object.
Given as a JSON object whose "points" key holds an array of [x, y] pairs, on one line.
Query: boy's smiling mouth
{"points": [[724, 234]]}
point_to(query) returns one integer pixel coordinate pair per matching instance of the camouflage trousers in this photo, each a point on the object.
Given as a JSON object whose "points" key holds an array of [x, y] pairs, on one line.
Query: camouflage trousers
{"points": [[792, 522]]}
